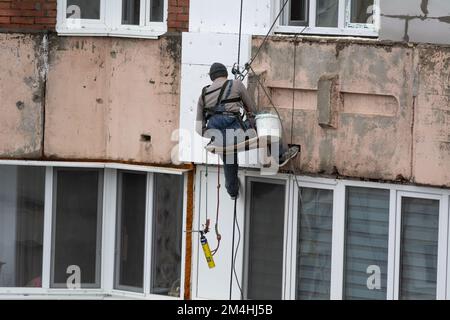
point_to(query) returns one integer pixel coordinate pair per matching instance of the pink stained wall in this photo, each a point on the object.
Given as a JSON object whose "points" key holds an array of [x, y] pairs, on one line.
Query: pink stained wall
{"points": [[21, 96], [392, 110], [104, 93]]}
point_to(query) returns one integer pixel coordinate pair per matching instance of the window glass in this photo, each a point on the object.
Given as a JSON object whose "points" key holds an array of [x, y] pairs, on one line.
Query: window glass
{"points": [[167, 234], [297, 12], [419, 247], [83, 9], [21, 225], [366, 245], [131, 204], [327, 13], [315, 218], [131, 12], [156, 10], [77, 207], [265, 247], [362, 11]]}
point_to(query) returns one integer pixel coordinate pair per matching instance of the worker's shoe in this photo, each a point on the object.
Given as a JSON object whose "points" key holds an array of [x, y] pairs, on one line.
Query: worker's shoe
{"points": [[288, 155], [234, 198]]}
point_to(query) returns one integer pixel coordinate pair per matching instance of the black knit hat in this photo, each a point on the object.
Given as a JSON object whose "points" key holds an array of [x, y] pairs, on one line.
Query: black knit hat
{"points": [[217, 70]]}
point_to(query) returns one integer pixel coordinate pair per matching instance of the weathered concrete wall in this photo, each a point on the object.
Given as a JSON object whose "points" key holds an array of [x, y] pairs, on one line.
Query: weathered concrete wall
{"points": [[425, 21], [432, 118], [392, 110], [102, 95], [22, 84]]}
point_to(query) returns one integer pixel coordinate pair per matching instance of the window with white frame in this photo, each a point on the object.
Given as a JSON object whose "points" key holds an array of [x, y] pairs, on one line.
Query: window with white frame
{"points": [[132, 18], [149, 237], [314, 236], [22, 193], [130, 250], [366, 242], [58, 226], [419, 248], [329, 17], [339, 239], [264, 272], [76, 227]]}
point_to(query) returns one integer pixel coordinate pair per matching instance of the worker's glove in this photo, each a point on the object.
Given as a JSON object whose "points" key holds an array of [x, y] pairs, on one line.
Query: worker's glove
{"points": [[250, 115]]}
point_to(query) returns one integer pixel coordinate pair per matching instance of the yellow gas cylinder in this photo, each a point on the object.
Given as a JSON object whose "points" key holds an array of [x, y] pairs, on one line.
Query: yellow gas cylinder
{"points": [[207, 252]]}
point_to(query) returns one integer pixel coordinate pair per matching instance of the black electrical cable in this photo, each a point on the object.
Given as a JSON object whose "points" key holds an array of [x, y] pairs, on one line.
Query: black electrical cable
{"points": [[240, 33], [234, 260], [293, 88], [232, 249]]}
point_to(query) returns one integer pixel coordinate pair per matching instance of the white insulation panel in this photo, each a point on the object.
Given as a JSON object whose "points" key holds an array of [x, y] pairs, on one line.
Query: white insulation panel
{"points": [[200, 50], [223, 16], [215, 283]]}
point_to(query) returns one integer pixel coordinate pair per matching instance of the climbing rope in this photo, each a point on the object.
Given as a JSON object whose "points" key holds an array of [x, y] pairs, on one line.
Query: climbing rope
{"points": [[234, 254], [216, 227]]}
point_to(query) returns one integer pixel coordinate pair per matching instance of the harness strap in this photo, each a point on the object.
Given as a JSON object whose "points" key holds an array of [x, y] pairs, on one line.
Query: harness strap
{"points": [[238, 99], [204, 95], [208, 112], [222, 90]]}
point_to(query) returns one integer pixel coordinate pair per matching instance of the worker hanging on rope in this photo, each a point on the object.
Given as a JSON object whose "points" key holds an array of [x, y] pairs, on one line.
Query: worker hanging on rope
{"points": [[225, 115]]}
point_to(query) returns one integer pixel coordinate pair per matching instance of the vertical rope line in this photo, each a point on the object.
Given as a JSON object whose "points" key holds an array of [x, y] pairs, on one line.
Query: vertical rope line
{"points": [[240, 35], [232, 249], [206, 193], [293, 88]]}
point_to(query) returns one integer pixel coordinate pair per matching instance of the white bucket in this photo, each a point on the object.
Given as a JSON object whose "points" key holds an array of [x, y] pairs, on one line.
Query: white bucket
{"points": [[268, 125]]}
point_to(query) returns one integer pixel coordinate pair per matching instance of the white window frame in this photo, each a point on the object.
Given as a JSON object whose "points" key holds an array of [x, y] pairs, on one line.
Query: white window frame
{"points": [[108, 236], [441, 277], [338, 187], [110, 22], [100, 213], [286, 244], [293, 234], [344, 28]]}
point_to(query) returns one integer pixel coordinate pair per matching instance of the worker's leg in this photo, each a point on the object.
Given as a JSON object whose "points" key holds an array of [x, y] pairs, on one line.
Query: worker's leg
{"points": [[231, 168], [222, 123]]}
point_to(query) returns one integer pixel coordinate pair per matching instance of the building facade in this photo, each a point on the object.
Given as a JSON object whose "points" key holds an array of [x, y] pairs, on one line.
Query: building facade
{"points": [[101, 172], [91, 203]]}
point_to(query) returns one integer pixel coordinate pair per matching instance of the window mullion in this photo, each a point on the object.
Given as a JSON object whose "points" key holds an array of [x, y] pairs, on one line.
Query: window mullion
{"points": [[109, 229], [338, 245], [287, 244], [312, 13], [392, 246], [442, 249], [342, 19], [113, 14], [183, 241], [47, 243], [293, 237], [143, 13], [398, 231], [148, 234]]}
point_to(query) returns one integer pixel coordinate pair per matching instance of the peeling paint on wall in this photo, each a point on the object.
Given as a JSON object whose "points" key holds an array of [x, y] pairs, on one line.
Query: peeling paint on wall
{"points": [[377, 125]]}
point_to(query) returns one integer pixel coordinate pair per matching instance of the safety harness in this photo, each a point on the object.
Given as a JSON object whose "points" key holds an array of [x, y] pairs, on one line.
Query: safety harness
{"points": [[219, 109]]}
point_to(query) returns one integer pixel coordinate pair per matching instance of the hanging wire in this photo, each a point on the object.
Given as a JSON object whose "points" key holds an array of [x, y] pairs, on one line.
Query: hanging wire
{"points": [[293, 88], [240, 34], [216, 227], [234, 253]]}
